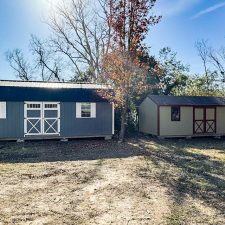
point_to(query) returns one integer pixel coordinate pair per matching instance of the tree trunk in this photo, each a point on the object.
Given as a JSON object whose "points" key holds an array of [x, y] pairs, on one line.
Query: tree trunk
{"points": [[123, 124]]}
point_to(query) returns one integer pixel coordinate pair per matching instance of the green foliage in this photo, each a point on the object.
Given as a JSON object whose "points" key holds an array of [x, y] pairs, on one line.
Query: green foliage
{"points": [[167, 74], [84, 77], [172, 72], [132, 121], [203, 86]]}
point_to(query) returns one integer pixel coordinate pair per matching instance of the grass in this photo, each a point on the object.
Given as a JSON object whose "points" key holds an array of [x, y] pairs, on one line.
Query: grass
{"points": [[191, 170], [142, 181], [188, 215]]}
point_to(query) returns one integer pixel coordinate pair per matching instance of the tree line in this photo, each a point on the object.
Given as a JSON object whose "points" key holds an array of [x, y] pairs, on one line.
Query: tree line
{"points": [[104, 42]]}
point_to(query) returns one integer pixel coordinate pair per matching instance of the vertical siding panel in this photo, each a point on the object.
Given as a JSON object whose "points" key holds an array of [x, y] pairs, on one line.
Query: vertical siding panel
{"points": [[148, 117], [75, 127], [176, 128], [22, 119], [220, 123], [12, 126]]}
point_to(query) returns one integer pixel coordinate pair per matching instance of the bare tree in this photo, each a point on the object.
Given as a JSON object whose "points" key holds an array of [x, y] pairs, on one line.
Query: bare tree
{"points": [[217, 59], [106, 16], [80, 37], [203, 52], [213, 60], [45, 65], [81, 34], [45, 62], [19, 64]]}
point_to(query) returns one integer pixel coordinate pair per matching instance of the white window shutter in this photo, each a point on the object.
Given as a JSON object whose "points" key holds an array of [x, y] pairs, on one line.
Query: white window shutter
{"points": [[78, 110], [93, 110], [2, 110]]}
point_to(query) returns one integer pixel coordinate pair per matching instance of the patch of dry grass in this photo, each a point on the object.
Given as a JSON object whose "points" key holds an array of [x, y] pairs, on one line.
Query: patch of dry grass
{"points": [[194, 173], [142, 181]]}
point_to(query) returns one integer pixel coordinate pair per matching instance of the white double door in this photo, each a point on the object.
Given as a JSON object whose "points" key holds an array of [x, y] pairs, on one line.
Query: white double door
{"points": [[41, 118]]}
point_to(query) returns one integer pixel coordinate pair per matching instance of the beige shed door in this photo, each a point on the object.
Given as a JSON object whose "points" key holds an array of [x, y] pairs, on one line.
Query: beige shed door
{"points": [[199, 120], [210, 122], [204, 120]]}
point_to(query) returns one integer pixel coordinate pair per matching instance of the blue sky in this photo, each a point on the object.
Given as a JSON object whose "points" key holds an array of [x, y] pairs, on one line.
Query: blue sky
{"points": [[183, 23]]}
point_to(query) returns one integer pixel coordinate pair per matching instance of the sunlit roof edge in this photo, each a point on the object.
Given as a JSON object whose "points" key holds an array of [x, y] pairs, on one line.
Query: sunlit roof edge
{"points": [[40, 84]]}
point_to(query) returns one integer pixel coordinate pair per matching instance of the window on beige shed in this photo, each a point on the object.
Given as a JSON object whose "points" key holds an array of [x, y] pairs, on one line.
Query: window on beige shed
{"points": [[175, 113]]}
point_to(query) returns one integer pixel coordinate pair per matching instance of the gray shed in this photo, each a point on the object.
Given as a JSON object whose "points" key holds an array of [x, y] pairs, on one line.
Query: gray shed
{"points": [[185, 116], [43, 110]]}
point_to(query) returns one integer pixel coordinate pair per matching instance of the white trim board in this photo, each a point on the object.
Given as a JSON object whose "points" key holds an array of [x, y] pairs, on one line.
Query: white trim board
{"points": [[39, 84], [113, 118], [2, 110]]}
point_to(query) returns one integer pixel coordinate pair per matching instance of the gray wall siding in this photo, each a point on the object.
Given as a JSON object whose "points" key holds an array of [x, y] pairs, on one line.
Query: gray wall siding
{"points": [[13, 125], [72, 126]]}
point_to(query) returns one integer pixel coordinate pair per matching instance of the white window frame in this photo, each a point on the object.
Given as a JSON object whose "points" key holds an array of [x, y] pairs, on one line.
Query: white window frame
{"points": [[57, 104], [33, 103], [2, 110], [113, 118], [92, 108]]}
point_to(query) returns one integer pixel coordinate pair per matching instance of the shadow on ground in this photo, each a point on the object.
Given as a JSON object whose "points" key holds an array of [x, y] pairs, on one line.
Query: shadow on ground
{"points": [[55, 151], [186, 170], [182, 171]]}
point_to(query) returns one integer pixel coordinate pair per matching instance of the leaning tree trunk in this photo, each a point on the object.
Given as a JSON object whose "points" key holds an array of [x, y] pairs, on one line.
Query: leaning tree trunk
{"points": [[123, 123]]}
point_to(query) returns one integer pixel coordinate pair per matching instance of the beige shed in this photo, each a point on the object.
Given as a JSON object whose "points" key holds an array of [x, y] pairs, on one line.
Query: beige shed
{"points": [[182, 116]]}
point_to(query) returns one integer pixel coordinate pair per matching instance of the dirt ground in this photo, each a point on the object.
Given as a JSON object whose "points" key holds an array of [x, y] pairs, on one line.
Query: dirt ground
{"points": [[142, 181]]}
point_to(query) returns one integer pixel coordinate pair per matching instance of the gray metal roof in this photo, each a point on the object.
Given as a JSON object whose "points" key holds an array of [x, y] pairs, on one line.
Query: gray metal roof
{"points": [[187, 100]]}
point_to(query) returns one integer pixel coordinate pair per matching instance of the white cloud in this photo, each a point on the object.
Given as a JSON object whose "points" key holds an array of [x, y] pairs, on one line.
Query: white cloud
{"points": [[173, 7], [209, 10]]}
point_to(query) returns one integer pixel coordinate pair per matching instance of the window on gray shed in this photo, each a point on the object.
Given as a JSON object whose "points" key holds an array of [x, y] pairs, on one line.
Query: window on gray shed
{"points": [[33, 106], [85, 110], [51, 106]]}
